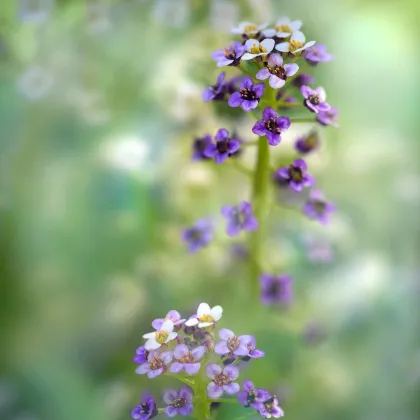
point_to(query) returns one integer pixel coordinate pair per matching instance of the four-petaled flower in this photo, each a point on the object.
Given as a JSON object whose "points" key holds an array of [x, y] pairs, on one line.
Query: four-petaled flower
{"points": [[317, 208], [314, 99], [251, 396], [164, 334], [283, 28], [303, 79], [216, 92], [328, 117], [318, 54], [230, 344], [223, 147], [222, 380], [145, 410], [141, 355], [276, 71], [249, 29], [199, 145], [230, 56], [276, 289], [271, 126], [255, 48], [307, 143], [296, 175], [205, 316], [270, 408], [240, 217], [250, 343], [198, 236], [248, 96], [179, 403], [187, 359], [295, 44], [173, 316], [157, 363]]}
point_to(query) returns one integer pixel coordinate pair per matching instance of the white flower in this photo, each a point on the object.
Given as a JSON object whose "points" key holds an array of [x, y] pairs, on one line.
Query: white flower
{"points": [[205, 316], [256, 48], [163, 335], [295, 44], [284, 28], [249, 28]]}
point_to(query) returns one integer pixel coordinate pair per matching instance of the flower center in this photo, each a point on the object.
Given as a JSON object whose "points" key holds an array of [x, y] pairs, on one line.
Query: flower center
{"points": [[179, 402], [274, 289], [221, 379], [257, 49], [278, 71], [161, 336], [248, 94], [284, 28], [251, 396], [187, 358], [222, 147], [230, 53], [319, 206], [206, 317], [294, 45], [250, 28], [295, 173], [233, 343], [156, 363], [145, 409], [195, 234], [271, 125], [314, 99], [269, 404]]}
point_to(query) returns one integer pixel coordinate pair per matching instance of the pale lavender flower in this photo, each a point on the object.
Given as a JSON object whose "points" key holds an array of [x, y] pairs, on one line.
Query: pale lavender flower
{"points": [[295, 44], [328, 117], [251, 396], [145, 410], [230, 56], [317, 208], [307, 143], [296, 175], [255, 48], [271, 126], [222, 380], [198, 236], [270, 408], [223, 147], [164, 334], [216, 92], [141, 355], [172, 315], [276, 289], [250, 343], [303, 79], [317, 54], [315, 99], [248, 96], [157, 364], [284, 28], [230, 344], [276, 71], [186, 359], [179, 403], [240, 217]]}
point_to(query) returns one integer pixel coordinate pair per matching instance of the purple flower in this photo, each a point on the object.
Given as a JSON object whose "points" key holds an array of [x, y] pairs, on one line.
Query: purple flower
{"points": [[224, 146], [222, 380], [230, 56], [145, 410], [328, 117], [157, 363], [173, 316], [141, 355], [276, 289], [199, 146], [307, 143], [271, 126], [270, 408], [317, 208], [179, 403], [216, 92], [239, 218], [303, 79], [250, 343], [251, 396], [186, 359], [296, 174], [230, 344], [315, 99], [317, 54], [276, 71], [198, 236], [248, 96]]}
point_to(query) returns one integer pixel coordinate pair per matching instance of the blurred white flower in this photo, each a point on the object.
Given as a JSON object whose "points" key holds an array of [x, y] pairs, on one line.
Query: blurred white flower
{"points": [[35, 83], [36, 11], [172, 13], [223, 15]]}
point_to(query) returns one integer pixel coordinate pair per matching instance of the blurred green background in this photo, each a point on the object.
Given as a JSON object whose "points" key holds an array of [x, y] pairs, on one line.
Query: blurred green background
{"points": [[99, 103]]}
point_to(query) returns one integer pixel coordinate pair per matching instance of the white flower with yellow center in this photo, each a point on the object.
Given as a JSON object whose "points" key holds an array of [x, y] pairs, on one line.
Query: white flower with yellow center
{"points": [[255, 48], [163, 335], [205, 316], [295, 44], [284, 28], [249, 29]]}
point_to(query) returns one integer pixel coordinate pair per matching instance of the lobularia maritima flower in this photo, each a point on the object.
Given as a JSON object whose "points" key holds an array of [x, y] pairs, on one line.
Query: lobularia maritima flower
{"points": [[248, 96], [255, 48], [296, 44], [199, 145], [328, 117], [187, 359], [315, 99], [230, 56], [303, 79], [224, 146], [307, 143], [173, 316], [276, 72], [296, 175], [145, 410], [317, 208], [271, 126], [164, 334], [222, 380], [240, 217], [198, 236], [251, 396], [231, 344], [178, 403], [205, 316], [249, 29], [216, 92], [276, 289], [317, 54], [283, 28]]}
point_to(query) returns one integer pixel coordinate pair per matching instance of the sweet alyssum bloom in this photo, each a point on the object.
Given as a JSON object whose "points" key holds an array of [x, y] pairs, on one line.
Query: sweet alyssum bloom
{"points": [[222, 380], [141, 355], [230, 56], [275, 289], [145, 410], [317, 208], [198, 236], [284, 28], [270, 408], [317, 54], [251, 396], [205, 316], [230, 344], [307, 143], [172, 315], [157, 363], [295, 44], [164, 334], [271, 126], [216, 92], [255, 48], [314, 99], [296, 175], [250, 342], [179, 403], [248, 96], [276, 71], [240, 217], [328, 117], [303, 79], [223, 147], [249, 29], [199, 145], [187, 359]]}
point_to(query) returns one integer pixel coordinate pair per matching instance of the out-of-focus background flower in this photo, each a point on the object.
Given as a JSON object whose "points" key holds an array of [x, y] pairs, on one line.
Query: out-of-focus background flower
{"points": [[99, 103]]}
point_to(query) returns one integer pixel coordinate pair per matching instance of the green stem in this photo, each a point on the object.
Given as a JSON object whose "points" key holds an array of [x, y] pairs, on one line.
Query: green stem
{"points": [[288, 105], [222, 400], [302, 119], [182, 379]]}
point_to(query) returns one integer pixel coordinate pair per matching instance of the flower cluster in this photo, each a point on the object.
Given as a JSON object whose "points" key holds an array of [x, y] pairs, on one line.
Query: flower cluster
{"points": [[193, 349]]}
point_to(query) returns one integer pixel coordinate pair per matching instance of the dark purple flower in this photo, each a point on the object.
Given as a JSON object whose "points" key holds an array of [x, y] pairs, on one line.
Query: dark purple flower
{"points": [[317, 54], [199, 146], [141, 355], [186, 359], [157, 363], [233, 84], [296, 174], [145, 410], [179, 403], [173, 316], [270, 408], [251, 396], [248, 96], [223, 148], [230, 56], [216, 92], [230, 344], [307, 143], [317, 208], [303, 79], [250, 343], [271, 126], [222, 380], [198, 236], [328, 117], [315, 99], [276, 289], [239, 218], [276, 71]]}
